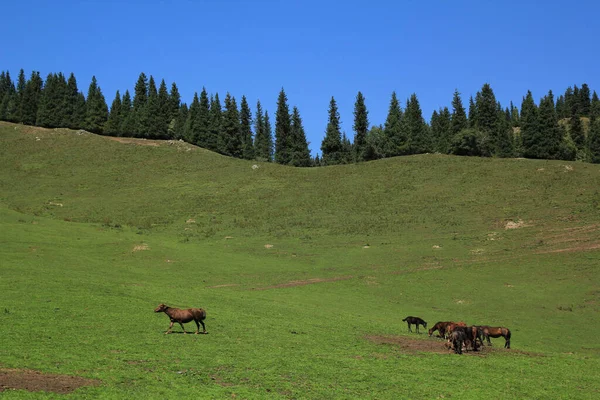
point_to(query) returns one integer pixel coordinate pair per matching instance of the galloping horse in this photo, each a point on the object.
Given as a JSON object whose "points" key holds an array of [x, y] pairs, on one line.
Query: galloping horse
{"points": [[415, 321], [495, 332], [440, 327], [183, 316]]}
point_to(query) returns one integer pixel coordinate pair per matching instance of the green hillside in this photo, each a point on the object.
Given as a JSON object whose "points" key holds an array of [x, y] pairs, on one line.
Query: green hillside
{"points": [[306, 274]]}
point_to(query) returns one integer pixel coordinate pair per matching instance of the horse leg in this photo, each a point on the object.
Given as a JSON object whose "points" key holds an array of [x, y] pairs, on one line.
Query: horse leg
{"points": [[410, 330], [184, 332], [507, 344], [197, 326], [170, 326], [203, 327]]}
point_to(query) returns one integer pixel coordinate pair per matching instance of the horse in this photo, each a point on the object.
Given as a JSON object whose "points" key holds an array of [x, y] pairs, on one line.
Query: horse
{"points": [[183, 316], [471, 335], [495, 332], [415, 321], [457, 338], [440, 327], [450, 328]]}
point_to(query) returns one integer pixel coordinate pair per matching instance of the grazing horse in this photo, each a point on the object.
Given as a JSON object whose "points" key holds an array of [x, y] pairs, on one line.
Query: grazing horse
{"points": [[183, 316], [450, 328], [415, 321], [471, 334], [440, 327], [489, 331], [457, 338]]}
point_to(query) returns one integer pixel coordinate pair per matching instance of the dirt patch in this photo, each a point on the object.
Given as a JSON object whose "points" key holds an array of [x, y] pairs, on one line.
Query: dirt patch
{"points": [[220, 286], [140, 247], [515, 224], [305, 282], [587, 247], [438, 346], [35, 381], [139, 142]]}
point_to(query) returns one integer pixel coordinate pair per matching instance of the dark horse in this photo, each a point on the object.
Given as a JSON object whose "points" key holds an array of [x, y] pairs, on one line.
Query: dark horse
{"points": [[490, 331], [458, 337], [183, 316], [415, 321], [440, 327], [471, 333]]}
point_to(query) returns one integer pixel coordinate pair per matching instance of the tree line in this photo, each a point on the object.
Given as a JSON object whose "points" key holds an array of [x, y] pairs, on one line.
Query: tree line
{"points": [[567, 128]]}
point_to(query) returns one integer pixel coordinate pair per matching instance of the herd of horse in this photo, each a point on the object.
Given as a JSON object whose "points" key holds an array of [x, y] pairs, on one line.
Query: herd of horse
{"points": [[459, 336]]}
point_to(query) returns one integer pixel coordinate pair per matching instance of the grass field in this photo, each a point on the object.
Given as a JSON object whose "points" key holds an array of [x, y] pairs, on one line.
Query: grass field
{"points": [[306, 274]]}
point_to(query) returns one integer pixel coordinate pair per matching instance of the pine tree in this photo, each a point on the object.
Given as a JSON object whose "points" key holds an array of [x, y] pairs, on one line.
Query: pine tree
{"points": [[576, 131], [283, 126], [331, 147], [395, 137], [547, 141], [31, 97], [594, 108], [127, 118], [561, 107], [594, 141], [216, 122], [202, 126], [164, 111], [514, 115], [269, 137], [503, 133], [8, 98], [190, 129], [263, 143], [487, 119], [418, 132], [442, 132], [584, 100], [246, 130], [230, 141], [17, 115], [472, 113], [300, 154], [361, 127], [96, 109], [180, 122], [459, 115], [114, 123], [79, 111], [140, 99], [72, 114], [530, 128], [174, 103], [347, 153], [150, 122], [48, 103]]}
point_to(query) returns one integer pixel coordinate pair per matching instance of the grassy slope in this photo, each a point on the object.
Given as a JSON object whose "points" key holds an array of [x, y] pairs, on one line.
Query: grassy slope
{"points": [[78, 298]]}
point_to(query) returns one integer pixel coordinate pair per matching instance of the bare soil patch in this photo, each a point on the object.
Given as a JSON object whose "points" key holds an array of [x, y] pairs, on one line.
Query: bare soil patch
{"points": [[35, 381], [305, 282]]}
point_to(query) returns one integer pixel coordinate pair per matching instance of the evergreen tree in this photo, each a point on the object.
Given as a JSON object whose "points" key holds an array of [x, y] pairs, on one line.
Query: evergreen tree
{"points": [[150, 122], [361, 127], [576, 131], [246, 130], [300, 154], [230, 141], [376, 142], [331, 147], [530, 128], [216, 121], [269, 137], [8, 98], [472, 113], [561, 107], [459, 115], [164, 111], [202, 126], [514, 115], [140, 99], [418, 132], [73, 115], [594, 141], [96, 109], [283, 127], [347, 153], [441, 130], [547, 141], [17, 114], [503, 133], [395, 137], [174, 102], [49, 103], [127, 118], [487, 118], [594, 107], [263, 143], [31, 97], [180, 122], [114, 123], [584, 100], [190, 129], [79, 112]]}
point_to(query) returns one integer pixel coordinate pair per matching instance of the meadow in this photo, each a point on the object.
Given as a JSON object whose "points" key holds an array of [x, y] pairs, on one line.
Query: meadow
{"points": [[305, 274]]}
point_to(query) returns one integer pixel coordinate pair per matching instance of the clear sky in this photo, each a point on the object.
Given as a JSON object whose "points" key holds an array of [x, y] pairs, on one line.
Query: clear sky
{"points": [[313, 49]]}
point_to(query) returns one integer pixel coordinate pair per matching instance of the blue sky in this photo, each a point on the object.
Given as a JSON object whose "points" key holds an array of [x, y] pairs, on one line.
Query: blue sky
{"points": [[313, 49]]}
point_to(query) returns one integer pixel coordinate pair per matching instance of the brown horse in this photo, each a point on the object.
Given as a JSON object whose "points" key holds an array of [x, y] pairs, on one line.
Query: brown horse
{"points": [[183, 316], [490, 331], [440, 327], [415, 321], [450, 328]]}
